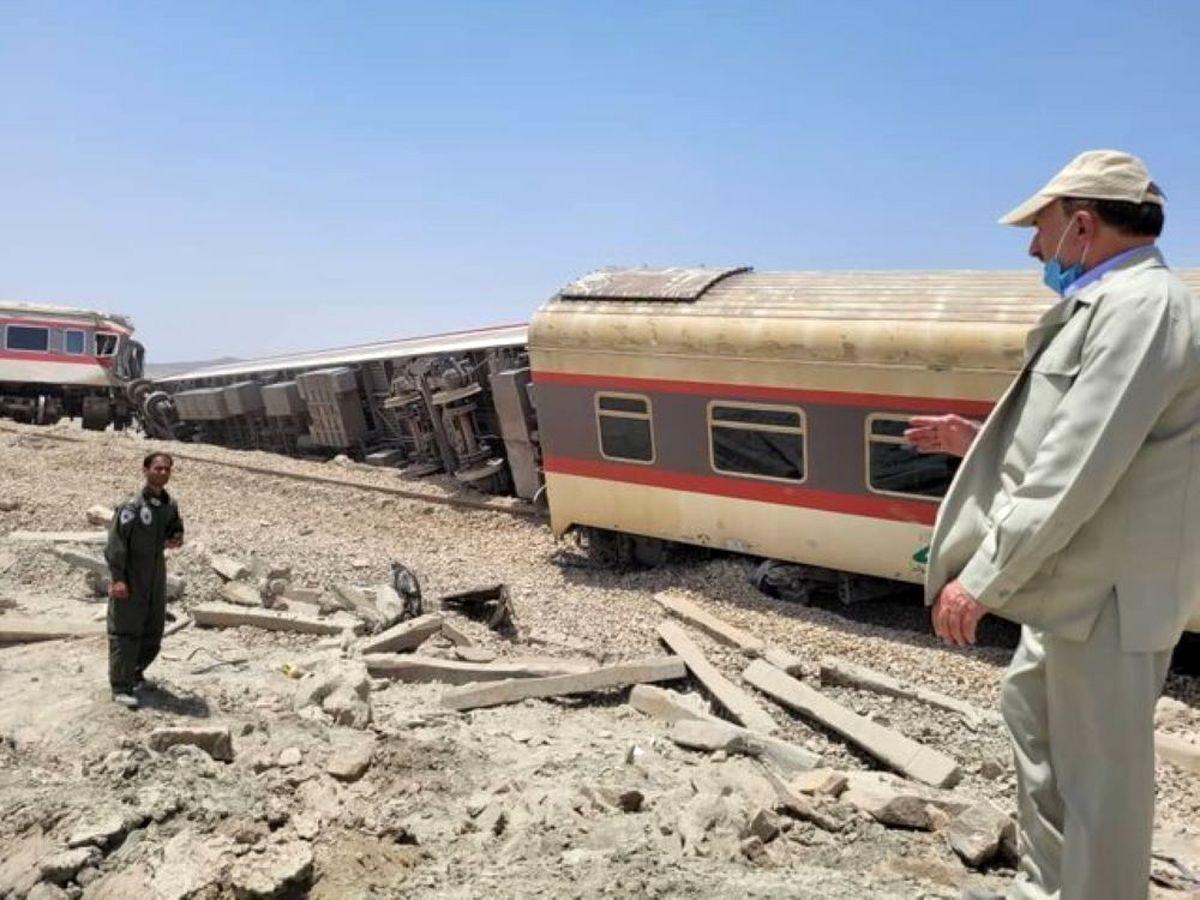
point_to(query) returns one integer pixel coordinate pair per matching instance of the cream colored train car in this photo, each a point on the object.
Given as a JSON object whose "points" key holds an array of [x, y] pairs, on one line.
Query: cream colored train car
{"points": [[762, 412]]}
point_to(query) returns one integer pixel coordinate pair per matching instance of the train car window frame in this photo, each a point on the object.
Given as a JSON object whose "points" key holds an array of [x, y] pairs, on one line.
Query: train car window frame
{"points": [[647, 417], [869, 439], [801, 430], [11, 327], [116, 340], [67, 332]]}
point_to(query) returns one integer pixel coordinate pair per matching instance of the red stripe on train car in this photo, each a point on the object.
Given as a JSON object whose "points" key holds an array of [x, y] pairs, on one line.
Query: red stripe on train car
{"points": [[874, 506], [877, 402]]}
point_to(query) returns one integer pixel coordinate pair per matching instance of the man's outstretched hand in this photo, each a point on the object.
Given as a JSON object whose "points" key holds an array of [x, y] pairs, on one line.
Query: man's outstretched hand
{"points": [[942, 434], [956, 614], [119, 590]]}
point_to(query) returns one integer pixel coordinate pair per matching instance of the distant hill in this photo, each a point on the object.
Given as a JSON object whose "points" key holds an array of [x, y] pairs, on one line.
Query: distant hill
{"points": [[163, 370]]}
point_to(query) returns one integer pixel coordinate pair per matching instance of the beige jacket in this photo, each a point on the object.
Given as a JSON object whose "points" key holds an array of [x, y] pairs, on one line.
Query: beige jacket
{"points": [[1085, 479]]}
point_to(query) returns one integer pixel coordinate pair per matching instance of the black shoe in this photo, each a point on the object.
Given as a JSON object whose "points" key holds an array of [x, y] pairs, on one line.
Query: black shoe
{"points": [[126, 700], [144, 685]]}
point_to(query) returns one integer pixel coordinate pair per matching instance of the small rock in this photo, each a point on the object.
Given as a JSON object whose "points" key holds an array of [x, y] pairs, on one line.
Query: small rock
{"points": [[752, 848], [359, 563], [763, 825], [475, 654], [894, 801], [216, 742], [241, 594], [87, 875], [991, 768], [289, 757], [103, 829], [631, 801], [7, 504], [492, 819], [98, 514], [280, 870], [976, 833], [61, 867], [44, 890], [351, 763]]}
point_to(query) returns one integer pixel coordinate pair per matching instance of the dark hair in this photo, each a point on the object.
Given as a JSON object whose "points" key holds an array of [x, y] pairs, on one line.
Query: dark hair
{"points": [[149, 459], [1138, 219]]}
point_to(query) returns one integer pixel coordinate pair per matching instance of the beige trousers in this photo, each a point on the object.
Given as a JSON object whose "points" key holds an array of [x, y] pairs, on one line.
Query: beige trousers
{"points": [[1081, 716]]}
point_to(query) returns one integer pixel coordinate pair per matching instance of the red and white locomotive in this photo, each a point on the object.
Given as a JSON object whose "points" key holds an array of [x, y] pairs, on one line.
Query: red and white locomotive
{"points": [[58, 361]]}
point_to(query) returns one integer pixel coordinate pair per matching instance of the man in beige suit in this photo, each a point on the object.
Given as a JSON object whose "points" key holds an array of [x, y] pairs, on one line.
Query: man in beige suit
{"points": [[1076, 513]]}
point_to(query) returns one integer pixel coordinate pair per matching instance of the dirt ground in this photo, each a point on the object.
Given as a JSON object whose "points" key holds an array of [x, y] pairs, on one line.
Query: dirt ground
{"points": [[575, 797]]}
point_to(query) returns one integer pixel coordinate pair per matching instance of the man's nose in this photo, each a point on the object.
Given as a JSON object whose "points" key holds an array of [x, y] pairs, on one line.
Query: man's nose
{"points": [[1034, 250]]}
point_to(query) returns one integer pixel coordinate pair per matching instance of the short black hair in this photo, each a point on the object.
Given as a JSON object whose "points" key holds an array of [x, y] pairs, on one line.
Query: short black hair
{"points": [[1138, 219], [149, 458]]}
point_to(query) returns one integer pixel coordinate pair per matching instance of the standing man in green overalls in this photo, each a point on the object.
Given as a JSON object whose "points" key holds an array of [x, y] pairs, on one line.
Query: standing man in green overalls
{"points": [[142, 527]]}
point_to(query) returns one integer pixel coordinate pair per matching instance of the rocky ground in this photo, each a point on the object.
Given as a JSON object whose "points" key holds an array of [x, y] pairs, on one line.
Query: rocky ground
{"points": [[377, 790]]}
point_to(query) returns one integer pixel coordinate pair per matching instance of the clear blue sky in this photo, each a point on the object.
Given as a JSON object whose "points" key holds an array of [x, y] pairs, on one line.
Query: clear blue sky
{"points": [[249, 177]]}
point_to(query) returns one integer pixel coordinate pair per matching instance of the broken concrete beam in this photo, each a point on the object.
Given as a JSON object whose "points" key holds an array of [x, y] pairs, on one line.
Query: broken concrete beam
{"points": [[58, 537], [828, 782], [714, 735], [669, 706], [99, 515], [660, 703], [456, 635], [893, 749], [894, 801], [977, 833], [798, 805], [848, 674], [669, 668], [241, 594], [354, 600], [218, 615], [715, 628], [229, 568], [216, 742], [17, 631], [742, 708], [422, 669], [782, 659], [405, 636], [476, 654], [1176, 750], [81, 560]]}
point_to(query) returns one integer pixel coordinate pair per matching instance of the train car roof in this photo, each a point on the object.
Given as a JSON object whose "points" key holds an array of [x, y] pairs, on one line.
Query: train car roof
{"points": [[402, 348], [53, 311], [974, 319]]}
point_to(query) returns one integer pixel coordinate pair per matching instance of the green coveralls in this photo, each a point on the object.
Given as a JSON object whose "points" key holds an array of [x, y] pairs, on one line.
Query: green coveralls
{"points": [[140, 527]]}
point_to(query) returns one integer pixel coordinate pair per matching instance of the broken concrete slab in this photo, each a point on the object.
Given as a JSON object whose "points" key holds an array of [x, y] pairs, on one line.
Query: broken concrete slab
{"points": [[424, 669], [848, 674], [471, 653], [280, 870], [241, 594], [712, 736], [59, 868], [741, 707], [668, 668], [217, 615], [342, 692], [976, 833], [456, 635], [827, 782], [99, 515], [216, 742], [895, 750], [354, 600], [81, 560], [1178, 751], [672, 707], [798, 805], [718, 630], [229, 568], [405, 636], [103, 828], [30, 631], [389, 604], [900, 803], [58, 537]]}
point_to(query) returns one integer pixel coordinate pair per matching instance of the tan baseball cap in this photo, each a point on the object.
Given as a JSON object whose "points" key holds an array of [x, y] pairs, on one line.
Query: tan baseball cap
{"points": [[1094, 175]]}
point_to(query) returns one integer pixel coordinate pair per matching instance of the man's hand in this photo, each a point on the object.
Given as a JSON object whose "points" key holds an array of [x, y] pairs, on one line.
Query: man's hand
{"points": [[173, 543], [956, 614], [942, 434], [119, 590]]}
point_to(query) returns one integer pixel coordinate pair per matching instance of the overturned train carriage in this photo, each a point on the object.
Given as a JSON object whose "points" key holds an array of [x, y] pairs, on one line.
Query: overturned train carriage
{"points": [[763, 412], [456, 403]]}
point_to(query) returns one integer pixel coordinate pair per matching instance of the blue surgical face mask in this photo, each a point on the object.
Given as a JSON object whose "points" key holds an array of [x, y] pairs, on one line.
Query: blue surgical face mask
{"points": [[1054, 276]]}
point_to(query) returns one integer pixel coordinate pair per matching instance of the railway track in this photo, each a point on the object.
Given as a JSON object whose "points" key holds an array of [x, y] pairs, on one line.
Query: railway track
{"points": [[471, 503]]}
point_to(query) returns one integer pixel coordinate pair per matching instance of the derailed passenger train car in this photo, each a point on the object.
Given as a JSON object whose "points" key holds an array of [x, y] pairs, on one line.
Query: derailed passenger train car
{"points": [[60, 361], [763, 412]]}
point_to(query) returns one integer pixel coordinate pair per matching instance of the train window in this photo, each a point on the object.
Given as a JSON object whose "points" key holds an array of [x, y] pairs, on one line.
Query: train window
{"points": [[894, 467], [73, 341], [623, 422], [757, 441], [106, 344], [24, 337]]}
